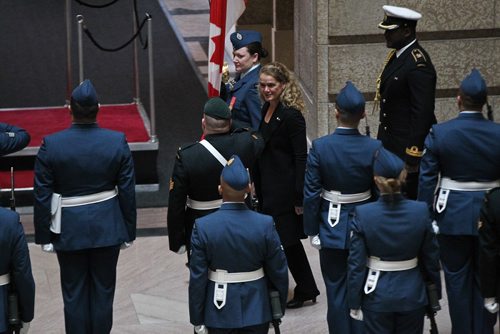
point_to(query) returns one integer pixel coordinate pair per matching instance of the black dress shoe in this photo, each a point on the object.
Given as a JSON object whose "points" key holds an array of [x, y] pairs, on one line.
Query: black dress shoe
{"points": [[298, 303]]}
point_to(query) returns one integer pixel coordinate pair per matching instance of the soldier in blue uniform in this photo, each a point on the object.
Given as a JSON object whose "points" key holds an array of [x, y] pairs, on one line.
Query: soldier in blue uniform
{"points": [[12, 138], [393, 253], [196, 173], [85, 207], [15, 265], [246, 107], [236, 257], [339, 176], [406, 89], [489, 255], [462, 159]]}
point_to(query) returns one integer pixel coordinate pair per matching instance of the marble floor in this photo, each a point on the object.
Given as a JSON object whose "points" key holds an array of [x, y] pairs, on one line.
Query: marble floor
{"points": [[152, 287]]}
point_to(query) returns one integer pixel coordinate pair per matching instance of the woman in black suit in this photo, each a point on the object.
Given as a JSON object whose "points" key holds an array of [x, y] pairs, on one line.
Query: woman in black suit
{"points": [[279, 178]]}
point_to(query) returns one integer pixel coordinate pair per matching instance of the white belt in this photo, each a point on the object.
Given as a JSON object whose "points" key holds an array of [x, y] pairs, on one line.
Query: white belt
{"points": [[222, 278], [336, 199], [59, 202], [4, 279], [450, 184], [203, 205], [376, 266], [446, 184]]}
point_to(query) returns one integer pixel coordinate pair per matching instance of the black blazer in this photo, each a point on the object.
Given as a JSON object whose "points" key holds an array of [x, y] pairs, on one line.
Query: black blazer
{"points": [[489, 240], [407, 89], [279, 176]]}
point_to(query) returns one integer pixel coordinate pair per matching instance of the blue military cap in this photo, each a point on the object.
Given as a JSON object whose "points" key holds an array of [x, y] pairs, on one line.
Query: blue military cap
{"points": [[350, 99], [387, 164], [474, 86], [242, 38], [217, 108], [84, 94], [235, 174]]}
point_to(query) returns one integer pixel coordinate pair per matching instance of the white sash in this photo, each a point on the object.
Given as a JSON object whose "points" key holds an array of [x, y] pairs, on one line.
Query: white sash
{"points": [[214, 152]]}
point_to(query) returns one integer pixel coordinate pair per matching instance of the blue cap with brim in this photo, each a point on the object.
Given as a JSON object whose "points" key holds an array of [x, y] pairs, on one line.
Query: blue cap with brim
{"points": [[242, 38], [235, 174], [474, 86], [85, 94], [387, 164], [350, 99]]}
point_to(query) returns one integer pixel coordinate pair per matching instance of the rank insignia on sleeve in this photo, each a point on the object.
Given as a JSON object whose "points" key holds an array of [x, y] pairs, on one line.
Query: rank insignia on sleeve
{"points": [[254, 136], [419, 57], [170, 184]]}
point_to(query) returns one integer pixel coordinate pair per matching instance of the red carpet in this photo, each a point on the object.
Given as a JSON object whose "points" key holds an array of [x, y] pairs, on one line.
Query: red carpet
{"points": [[41, 122]]}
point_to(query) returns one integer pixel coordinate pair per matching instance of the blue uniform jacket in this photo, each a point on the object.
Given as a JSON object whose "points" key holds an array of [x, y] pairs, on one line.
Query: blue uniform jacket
{"points": [[392, 231], [466, 148], [235, 239], [343, 162], [82, 160], [15, 258], [12, 138], [246, 110]]}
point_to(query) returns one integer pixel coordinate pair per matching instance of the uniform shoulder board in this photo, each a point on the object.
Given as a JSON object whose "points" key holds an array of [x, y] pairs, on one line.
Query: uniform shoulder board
{"points": [[419, 58], [239, 130], [182, 148]]}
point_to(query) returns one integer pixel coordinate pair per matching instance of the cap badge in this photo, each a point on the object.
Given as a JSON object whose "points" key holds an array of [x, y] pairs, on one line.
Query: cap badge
{"points": [[239, 37]]}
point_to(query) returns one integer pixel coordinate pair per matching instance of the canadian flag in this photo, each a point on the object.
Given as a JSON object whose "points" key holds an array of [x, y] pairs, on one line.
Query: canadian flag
{"points": [[223, 17]]}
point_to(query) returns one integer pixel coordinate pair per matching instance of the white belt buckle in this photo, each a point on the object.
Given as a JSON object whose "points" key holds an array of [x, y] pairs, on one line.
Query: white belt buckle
{"points": [[442, 199], [334, 214], [371, 280], [220, 293]]}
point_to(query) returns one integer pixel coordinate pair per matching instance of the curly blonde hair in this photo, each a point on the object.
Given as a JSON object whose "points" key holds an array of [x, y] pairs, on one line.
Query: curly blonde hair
{"points": [[291, 95]]}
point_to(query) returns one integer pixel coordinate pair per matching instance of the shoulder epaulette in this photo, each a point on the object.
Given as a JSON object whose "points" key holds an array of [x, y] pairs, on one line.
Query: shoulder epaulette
{"points": [[419, 57], [184, 147], [238, 130]]}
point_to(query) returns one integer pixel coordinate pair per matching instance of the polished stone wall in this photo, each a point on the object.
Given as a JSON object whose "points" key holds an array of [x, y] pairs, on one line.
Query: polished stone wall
{"points": [[338, 40]]}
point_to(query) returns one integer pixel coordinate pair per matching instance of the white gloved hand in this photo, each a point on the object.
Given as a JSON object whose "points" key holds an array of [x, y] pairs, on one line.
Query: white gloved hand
{"points": [[491, 305], [356, 314], [435, 227], [26, 327], [200, 329], [315, 241], [49, 248], [126, 245], [182, 249]]}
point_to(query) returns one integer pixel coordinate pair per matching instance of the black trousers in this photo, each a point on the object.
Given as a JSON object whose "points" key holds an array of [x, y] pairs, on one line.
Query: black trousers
{"points": [[298, 264], [88, 279]]}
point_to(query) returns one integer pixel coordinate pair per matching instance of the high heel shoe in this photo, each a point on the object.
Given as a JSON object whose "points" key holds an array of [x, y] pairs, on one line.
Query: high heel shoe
{"points": [[298, 303]]}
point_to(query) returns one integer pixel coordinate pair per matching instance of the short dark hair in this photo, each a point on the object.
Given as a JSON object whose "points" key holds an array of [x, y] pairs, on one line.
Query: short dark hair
{"points": [[256, 47], [349, 118], [470, 103], [83, 112]]}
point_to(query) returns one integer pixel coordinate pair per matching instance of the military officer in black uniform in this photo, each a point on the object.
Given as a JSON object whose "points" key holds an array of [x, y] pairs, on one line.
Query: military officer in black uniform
{"points": [[196, 173], [489, 257], [406, 89]]}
